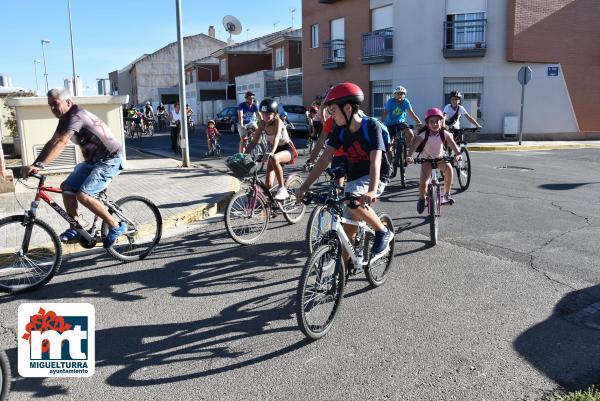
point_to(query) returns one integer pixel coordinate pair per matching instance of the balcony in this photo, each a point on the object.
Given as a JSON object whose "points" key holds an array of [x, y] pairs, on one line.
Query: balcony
{"points": [[334, 54], [464, 38], [378, 46]]}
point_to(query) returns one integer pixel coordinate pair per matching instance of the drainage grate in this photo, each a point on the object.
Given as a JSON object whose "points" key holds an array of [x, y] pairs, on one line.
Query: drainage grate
{"points": [[518, 168]]}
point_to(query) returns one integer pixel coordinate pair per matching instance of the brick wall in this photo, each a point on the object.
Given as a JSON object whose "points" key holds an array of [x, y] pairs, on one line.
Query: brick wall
{"points": [[565, 32]]}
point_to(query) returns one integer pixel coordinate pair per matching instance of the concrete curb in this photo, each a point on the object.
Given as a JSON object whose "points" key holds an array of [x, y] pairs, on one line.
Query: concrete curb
{"points": [[202, 212], [522, 148]]}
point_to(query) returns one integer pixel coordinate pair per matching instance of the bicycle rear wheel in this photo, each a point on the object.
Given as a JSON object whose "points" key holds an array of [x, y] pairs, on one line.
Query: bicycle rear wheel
{"points": [[30, 254], [144, 228], [4, 376], [377, 271], [320, 291], [433, 200], [245, 220], [319, 223], [292, 211], [463, 169]]}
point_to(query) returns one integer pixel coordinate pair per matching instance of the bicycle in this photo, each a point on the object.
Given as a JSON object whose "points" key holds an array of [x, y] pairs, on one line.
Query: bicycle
{"points": [[323, 279], [33, 252], [399, 153], [149, 127], [462, 167], [162, 122], [434, 196], [4, 376], [249, 210], [215, 148], [321, 218]]}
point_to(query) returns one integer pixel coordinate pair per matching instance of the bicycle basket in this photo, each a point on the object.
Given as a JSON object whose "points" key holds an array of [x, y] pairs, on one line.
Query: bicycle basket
{"points": [[241, 165]]}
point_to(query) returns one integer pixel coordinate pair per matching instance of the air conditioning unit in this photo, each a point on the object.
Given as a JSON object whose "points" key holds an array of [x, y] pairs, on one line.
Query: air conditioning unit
{"points": [[510, 127], [67, 159]]}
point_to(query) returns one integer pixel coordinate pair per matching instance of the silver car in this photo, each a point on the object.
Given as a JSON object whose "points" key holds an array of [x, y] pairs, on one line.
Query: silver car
{"points": [[296, 115]]}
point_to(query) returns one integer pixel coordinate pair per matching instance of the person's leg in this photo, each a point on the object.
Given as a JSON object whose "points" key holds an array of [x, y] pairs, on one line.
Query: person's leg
{"points": [[424, 179], [408, 136], [208, 145], [269, 176], [242, 132], [174, 139], [276, 161], [71, 185]]}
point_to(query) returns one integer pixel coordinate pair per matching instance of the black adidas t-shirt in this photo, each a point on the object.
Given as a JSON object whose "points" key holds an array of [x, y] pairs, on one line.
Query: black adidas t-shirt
{"points": [[358, 150]]}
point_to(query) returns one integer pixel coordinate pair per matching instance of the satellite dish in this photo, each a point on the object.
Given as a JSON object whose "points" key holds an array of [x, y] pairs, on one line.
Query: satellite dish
{"points": [[232, 25]]}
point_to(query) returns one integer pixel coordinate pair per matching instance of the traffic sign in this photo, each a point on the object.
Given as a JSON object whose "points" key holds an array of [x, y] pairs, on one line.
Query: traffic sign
{"points": [[524, 75], [553, 71]]}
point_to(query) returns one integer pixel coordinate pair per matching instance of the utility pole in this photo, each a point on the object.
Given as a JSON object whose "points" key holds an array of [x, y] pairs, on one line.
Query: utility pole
{"points": [[182, 100]]}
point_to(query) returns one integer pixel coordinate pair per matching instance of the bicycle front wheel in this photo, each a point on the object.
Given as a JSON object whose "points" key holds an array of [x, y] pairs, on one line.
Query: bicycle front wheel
{"points": [[320, 291], [377, 271], [246, 217], [144, 228], [401, 163], [293, 211], [433, 202], [4, 376], [463, 169], [319, 223], [30, 254]]}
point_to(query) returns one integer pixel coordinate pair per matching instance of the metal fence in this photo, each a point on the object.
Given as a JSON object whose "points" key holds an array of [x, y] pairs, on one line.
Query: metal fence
{"points": [[334, 51], [468, 34], [380, 93], [378, 43]]}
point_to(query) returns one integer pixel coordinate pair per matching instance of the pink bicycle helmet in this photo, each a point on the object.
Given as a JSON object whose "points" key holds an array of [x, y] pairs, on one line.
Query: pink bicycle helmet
{"points": [[434, 112]]}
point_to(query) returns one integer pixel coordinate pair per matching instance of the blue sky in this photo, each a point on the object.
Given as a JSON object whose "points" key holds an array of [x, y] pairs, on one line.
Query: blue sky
{"points": [[109, 34]]}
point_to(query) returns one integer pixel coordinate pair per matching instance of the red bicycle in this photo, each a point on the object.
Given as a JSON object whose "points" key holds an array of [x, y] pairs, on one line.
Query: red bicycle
{"points": [[31, 252]]}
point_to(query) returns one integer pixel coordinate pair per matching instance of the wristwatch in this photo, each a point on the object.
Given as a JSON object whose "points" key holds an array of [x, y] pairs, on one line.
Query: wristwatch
{"points": [[39, 165]]}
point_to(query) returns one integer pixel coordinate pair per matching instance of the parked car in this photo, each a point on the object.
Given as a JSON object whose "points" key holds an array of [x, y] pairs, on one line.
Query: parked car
{"points": [[227, 119], [297, 116]]}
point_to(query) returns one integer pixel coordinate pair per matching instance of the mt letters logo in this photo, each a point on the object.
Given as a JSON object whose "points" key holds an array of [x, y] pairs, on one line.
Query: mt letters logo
{"points": [[56, 340]]}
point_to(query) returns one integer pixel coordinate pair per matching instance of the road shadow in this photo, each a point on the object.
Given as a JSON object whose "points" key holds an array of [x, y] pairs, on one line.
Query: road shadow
{"points": [[566, 186], [565, 347]]}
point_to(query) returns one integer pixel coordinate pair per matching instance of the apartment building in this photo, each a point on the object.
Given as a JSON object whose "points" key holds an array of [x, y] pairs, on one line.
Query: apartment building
{"points": [[475, 46]]}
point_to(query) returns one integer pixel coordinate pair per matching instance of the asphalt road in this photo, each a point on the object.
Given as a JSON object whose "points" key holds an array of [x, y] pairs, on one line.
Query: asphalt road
{"points": [[503, 308]]}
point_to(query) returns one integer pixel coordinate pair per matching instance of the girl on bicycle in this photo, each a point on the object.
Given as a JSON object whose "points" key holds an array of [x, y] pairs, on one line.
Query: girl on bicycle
{"points": [[212, 133], [430, 142], [282, 148]]}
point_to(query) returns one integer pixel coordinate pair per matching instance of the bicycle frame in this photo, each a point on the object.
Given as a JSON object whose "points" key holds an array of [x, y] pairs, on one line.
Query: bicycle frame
{"points": [[433, 182]]}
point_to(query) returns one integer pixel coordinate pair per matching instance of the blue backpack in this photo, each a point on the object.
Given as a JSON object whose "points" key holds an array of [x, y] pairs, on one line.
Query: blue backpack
{"points": [[365, 129]]}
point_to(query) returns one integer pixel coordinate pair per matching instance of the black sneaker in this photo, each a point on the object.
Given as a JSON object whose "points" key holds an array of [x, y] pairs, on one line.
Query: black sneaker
{"points": [[420, 205]]}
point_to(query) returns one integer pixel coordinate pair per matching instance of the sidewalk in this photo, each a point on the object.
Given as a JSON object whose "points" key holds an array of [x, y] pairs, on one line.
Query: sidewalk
{"points": [[182, 195], [513, 146]]}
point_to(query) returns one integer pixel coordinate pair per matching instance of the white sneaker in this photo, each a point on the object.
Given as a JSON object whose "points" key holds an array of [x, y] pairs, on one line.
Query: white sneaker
{"points": [[282, 194]]}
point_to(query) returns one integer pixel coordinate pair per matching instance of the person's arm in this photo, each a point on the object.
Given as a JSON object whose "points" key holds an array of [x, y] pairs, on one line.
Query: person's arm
{"points": [[471, 119], [255, 138], [50, 152], [321, 165], [277, 137], [455, 149], [317, 148], [240, 117], [371, 195], [413, 146], [414, 116], [384, 116]]}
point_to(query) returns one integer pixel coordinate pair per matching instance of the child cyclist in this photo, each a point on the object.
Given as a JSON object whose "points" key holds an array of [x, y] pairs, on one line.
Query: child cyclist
{"points": [[432, 138], [282, 147], [211, 133], [367, 165]]}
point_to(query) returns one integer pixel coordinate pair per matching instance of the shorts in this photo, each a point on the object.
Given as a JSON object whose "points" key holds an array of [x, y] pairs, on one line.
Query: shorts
{"points": [[360, 186], [243, 131], [394, 129], [93, 178], [339, 161], [287, 148]]}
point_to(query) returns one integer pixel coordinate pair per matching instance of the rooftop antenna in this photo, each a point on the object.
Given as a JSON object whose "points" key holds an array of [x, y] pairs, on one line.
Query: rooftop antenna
{"points": [[233, 26], [274, 24], [293, 11], [247, 29]]}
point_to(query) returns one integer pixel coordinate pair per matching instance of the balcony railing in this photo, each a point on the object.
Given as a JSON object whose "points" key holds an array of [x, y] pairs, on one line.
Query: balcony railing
{"points": [[286, 86], [378, 46], [334, 54], [464, 38]]}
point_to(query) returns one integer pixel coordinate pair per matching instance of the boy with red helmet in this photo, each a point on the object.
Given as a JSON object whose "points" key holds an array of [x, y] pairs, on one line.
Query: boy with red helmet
{"points": [[367, 166], [433, 137]]}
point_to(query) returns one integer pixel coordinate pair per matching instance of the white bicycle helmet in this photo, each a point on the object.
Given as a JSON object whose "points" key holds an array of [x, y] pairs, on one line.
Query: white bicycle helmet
{"points": [[400, 89]]}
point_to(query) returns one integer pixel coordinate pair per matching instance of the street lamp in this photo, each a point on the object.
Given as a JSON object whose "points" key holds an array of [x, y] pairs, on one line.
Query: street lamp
{"points": [[72, 52], [45, 41], [35, 63]]}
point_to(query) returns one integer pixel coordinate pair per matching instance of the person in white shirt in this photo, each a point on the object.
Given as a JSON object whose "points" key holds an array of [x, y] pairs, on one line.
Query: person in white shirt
{"points": [[454, 111]]}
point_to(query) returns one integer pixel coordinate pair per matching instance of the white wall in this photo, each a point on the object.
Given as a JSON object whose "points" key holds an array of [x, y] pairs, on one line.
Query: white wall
{"points": [[419, 66]]}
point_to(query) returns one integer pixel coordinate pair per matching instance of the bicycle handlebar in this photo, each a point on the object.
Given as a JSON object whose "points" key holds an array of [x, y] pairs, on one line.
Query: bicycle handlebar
{"points": [[421, 160]]}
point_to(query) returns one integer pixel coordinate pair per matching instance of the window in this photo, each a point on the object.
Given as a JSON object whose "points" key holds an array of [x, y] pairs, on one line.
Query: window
{"points": [[472, 90], [465, 31], [279, 57], [381, 91], [314, 36], [223, 65]]}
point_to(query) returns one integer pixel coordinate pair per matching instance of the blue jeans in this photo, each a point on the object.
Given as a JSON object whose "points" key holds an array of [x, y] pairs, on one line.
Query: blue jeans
{"points": [[93, 178]]}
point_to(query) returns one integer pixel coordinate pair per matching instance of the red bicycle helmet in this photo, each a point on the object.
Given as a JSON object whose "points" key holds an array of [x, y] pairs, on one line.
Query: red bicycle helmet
{"points": [[434, 112], [343, 93]]}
